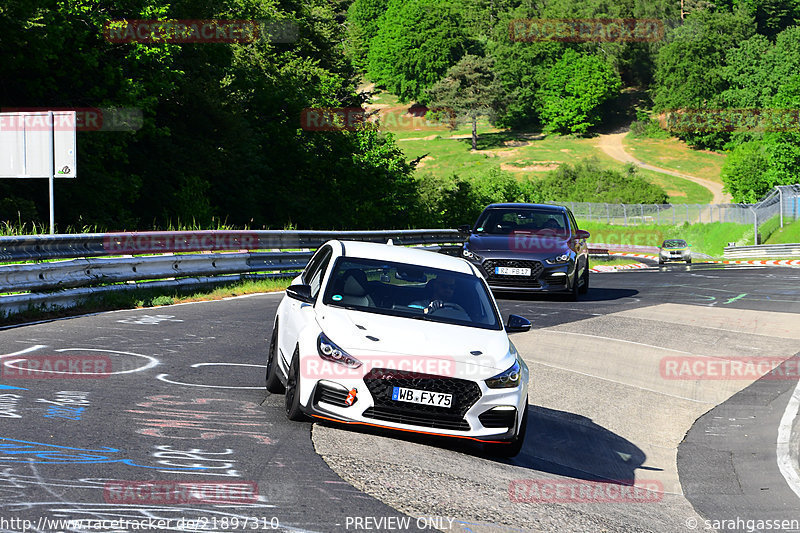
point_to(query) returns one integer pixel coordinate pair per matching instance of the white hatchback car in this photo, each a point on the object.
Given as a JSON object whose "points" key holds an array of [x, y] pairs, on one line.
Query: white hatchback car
{"points": [[393, 337]]}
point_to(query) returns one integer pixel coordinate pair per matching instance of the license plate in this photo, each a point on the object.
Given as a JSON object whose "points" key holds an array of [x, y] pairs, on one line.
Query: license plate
{"points": [[510, 271], [423, 397]]}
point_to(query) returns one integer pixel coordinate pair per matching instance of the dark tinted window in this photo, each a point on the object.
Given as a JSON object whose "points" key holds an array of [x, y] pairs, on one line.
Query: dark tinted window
{"points": [[503, 221]]}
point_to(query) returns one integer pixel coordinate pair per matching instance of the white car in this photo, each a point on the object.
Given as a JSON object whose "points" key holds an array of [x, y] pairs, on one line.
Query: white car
{"points": [[393, 337]]}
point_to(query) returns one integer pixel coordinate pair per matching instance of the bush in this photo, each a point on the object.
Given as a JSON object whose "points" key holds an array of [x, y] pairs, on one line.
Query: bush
{"points": [[586, 181]]}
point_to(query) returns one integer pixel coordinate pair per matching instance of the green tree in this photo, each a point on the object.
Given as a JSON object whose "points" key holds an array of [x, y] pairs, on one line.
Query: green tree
{"points": [[771, 16], [362, 26], [744, 172], [689, 67], [469, 89], [576, 86], [521, 69], [417, 41]]}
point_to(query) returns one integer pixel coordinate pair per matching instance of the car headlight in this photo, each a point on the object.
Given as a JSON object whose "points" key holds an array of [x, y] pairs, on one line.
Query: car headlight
{"points": [[469, 254], [506, 380], [563, 258], [330, 352]]}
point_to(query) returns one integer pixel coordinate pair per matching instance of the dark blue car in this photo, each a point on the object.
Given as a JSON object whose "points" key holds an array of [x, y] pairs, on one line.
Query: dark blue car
{"points": [[529, 248]]}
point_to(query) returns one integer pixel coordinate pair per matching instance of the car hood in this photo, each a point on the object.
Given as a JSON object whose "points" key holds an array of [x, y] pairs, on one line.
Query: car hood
{"points": [[356, 331], [519, 243]]}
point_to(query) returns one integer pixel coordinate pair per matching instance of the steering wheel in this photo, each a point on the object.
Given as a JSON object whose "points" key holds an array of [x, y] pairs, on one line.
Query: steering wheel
{"points": [[435, 305]]}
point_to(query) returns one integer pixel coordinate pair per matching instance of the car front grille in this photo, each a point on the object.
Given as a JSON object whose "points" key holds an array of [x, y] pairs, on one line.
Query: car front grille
{"points": [[500, 279], [381, 382]]}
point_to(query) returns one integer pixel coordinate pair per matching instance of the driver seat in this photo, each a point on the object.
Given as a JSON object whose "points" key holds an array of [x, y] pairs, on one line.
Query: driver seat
{"points": [[354, 289]]}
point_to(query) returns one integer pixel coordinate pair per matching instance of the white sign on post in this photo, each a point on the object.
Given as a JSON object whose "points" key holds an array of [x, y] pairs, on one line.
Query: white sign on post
{"points": [[38, 144]]}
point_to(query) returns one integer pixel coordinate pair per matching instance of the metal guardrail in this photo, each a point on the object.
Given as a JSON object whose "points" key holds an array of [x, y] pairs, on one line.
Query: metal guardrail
{"points": [[64, 270], [762, 250], [48, 271]]}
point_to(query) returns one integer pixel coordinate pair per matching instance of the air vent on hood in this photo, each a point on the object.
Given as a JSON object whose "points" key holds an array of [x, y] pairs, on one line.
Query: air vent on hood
{"points": [[476, 352], [370, 337]]}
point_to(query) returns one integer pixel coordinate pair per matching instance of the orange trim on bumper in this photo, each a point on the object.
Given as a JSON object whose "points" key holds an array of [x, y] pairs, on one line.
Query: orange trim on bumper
{"points": [[409, 430]]}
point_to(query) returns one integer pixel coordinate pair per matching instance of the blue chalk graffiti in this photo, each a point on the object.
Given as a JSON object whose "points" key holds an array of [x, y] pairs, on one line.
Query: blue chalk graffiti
{"points": [[22, 451]]}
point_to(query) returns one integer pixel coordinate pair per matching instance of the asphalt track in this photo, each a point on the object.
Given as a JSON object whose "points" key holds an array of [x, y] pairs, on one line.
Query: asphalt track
{"points": [[185, 403]]}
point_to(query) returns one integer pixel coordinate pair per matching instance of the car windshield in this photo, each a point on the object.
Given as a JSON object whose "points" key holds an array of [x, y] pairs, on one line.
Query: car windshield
{"points": [[411, 291], [674, 243], [503, 221]]}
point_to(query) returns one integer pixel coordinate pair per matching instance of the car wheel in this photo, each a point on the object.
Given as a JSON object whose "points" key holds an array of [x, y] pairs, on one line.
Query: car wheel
{"points": [[660, 262], [515, 445], [575, 291], [293, 411], [273, 382], [585, 287], [688, 261]]}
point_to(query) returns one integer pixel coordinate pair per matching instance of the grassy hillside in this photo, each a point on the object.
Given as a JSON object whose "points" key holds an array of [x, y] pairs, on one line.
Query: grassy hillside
{"points": [[530, 154]]}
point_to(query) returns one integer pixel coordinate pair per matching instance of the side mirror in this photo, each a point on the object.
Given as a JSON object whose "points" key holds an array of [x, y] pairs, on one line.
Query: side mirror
{"points": [[300, 292], [464, 228], [517, 324], [582, 234]]}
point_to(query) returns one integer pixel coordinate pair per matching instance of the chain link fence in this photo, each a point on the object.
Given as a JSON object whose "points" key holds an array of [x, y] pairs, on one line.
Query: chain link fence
{"points": [[782, 202]]}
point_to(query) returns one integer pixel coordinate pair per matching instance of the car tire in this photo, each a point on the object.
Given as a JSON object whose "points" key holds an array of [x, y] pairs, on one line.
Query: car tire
{"points": [[575, 291], [513, 447], [688, 261], [585, 287], [660, 262], [293, 410], [272, 379]]}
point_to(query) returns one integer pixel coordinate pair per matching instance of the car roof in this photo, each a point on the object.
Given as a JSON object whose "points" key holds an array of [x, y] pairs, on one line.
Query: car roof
{"points": [[402, 254], [527, 206]]}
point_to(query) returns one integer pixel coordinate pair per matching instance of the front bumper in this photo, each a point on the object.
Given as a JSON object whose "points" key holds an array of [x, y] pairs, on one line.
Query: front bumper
{"points": [[478, 413], [544, 277], [665, 256]]}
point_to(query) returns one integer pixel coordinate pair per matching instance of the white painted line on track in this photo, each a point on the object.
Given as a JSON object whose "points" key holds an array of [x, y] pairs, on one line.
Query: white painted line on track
{"points": [[785, 465], [163, 377], [615, 340], [662, 393]]}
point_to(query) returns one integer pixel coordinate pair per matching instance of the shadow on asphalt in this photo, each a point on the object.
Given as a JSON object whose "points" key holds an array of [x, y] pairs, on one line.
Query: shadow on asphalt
{"points": [[556, 442], [595, 294], [570, 445]]}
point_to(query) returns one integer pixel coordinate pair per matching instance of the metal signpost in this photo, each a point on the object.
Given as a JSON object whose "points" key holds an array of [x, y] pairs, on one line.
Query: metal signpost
{"points": [[38, 144]]}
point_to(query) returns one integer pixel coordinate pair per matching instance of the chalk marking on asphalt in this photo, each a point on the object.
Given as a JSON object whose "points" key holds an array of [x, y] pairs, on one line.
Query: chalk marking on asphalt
{"points": [[26, 350], [153, 361], [163, 377], [791, 475], [736, 298]]}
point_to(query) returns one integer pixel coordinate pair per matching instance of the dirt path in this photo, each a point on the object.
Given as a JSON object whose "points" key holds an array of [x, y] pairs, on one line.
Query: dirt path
{"points": [[611, 144]]}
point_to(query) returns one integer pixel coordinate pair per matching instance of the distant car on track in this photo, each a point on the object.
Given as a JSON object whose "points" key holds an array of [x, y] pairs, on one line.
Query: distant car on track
{"points": [[387, 336], [674, 250], [529, 248]]}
